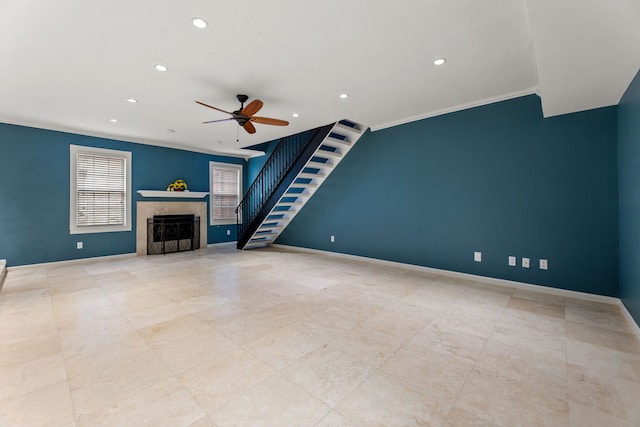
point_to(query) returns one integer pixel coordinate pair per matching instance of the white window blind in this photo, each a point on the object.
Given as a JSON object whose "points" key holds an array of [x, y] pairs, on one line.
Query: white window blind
{"points": [[100, 190], [226, 184]]}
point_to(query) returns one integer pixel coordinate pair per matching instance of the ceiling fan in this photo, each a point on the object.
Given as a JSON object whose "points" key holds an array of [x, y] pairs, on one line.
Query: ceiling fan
{"points": [[245, 115]]}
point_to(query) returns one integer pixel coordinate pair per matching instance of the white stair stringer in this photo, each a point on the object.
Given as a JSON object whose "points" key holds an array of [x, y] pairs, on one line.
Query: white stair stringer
{"points": [[342, 137]]}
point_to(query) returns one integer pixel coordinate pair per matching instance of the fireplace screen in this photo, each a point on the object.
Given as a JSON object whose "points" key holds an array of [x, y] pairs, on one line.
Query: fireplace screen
{"points": [[172, 233]]}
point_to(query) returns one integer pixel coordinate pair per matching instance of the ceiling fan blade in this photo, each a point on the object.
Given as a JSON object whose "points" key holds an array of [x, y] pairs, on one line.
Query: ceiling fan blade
{"points": [[269, 121], [252, 108], [249, 127], [215, 108], [221, 120]]}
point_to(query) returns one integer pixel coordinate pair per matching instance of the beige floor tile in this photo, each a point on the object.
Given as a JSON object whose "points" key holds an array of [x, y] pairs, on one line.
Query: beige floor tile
{"points": [[510, 402], [82, 300], [26, 347], [393, 323], [334, 419], [600, 315], [164, 404], [451, 342], [116, 380], [525, 367], [274, 402], [429, 370], [282, 347], [248, 328], [539, 296], [49, 406], [536, 333], [607, 394], [382, 400], [537, 307], [328, 374], [23, 378], [203, 422], [370, 346], [616, 340], [612, 362], [588, 416], [221, 378], [174, 329], [192, 349], [461, 418], [323, 326], [465, 322]]}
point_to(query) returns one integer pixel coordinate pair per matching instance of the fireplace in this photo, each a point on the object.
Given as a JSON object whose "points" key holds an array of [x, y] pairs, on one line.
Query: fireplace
{"points": [[146, 210], [172, 233]]}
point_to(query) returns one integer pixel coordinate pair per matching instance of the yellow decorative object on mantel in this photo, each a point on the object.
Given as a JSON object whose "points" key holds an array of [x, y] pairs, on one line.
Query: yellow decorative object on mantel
{"points": [[177, 185]]}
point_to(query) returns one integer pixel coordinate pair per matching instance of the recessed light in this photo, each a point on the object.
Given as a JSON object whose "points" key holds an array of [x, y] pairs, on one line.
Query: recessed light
{"points": [[113, 120], [296, 115], [161, 67], [132, 100], [439, 61], [344, 96], [199, 23]]}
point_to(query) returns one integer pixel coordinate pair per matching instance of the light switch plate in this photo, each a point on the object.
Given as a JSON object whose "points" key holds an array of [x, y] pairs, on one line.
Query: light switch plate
{"points": [[477, 256], [512, 261], [525, 262]]}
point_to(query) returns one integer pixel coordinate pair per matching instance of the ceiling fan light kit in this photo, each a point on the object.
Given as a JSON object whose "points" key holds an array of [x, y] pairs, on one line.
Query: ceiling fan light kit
{"points": [[245, 115]]}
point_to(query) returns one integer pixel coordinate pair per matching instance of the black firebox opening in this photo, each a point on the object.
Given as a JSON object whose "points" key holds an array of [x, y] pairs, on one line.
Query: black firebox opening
{"points": [[172, 233]]}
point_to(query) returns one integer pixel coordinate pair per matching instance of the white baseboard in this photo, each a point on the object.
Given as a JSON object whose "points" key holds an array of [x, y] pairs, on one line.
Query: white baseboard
{"points": [[213, 245], [630, 319], [92, 259], [71, 261], [3, 271]]}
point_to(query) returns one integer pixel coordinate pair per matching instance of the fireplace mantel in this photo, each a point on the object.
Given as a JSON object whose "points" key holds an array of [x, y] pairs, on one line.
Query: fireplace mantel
{"points": [[173, 194]]}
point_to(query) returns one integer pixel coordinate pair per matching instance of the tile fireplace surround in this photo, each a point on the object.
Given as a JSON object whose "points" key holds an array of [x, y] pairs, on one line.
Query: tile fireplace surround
{"points": [[149, 209]]}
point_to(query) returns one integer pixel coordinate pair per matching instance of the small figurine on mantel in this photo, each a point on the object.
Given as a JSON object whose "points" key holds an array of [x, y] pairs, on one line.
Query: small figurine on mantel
{"points": [[178, 185]]}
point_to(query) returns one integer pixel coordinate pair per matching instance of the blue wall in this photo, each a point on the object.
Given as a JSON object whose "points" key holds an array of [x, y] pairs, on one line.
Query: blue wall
{"points": [[629, 193], [34, 199], [498, 179]]}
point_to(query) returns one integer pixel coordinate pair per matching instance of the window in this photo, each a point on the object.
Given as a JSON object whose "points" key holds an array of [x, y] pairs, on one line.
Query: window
{"points": [[100, 190], [226, 192]]}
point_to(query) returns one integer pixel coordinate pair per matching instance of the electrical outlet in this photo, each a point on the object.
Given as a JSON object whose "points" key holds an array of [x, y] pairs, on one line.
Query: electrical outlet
{"points": [[477, 256], [228, 232], [333, 239], [79, 245], [525, 262], [544, 264], [512, 261]]}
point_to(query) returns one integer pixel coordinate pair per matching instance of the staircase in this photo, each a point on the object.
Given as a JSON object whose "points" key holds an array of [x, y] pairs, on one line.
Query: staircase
{"points": [[283, 187]]}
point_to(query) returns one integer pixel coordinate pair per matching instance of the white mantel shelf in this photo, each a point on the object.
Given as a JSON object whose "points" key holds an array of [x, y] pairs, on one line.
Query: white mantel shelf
{"points": [[173, 194]]}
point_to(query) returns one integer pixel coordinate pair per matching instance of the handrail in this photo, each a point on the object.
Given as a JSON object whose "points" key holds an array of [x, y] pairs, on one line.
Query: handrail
{"points": [[275, 168]]}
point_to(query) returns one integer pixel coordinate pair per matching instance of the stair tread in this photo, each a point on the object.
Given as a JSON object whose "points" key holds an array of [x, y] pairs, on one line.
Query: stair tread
{"points": [[318, 165], [348, 128], [309, 175], [331, 154], [339, 141]]}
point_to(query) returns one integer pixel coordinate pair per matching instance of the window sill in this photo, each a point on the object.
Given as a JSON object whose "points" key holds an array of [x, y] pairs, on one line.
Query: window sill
{"points": [[173, 194]]}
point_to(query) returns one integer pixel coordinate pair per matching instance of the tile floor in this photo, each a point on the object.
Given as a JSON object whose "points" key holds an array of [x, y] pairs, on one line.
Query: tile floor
{"points": [[277, 338]]}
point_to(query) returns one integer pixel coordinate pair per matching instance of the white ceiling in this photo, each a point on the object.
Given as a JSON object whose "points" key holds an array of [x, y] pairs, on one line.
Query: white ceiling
{"points": [[70, 64]]}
